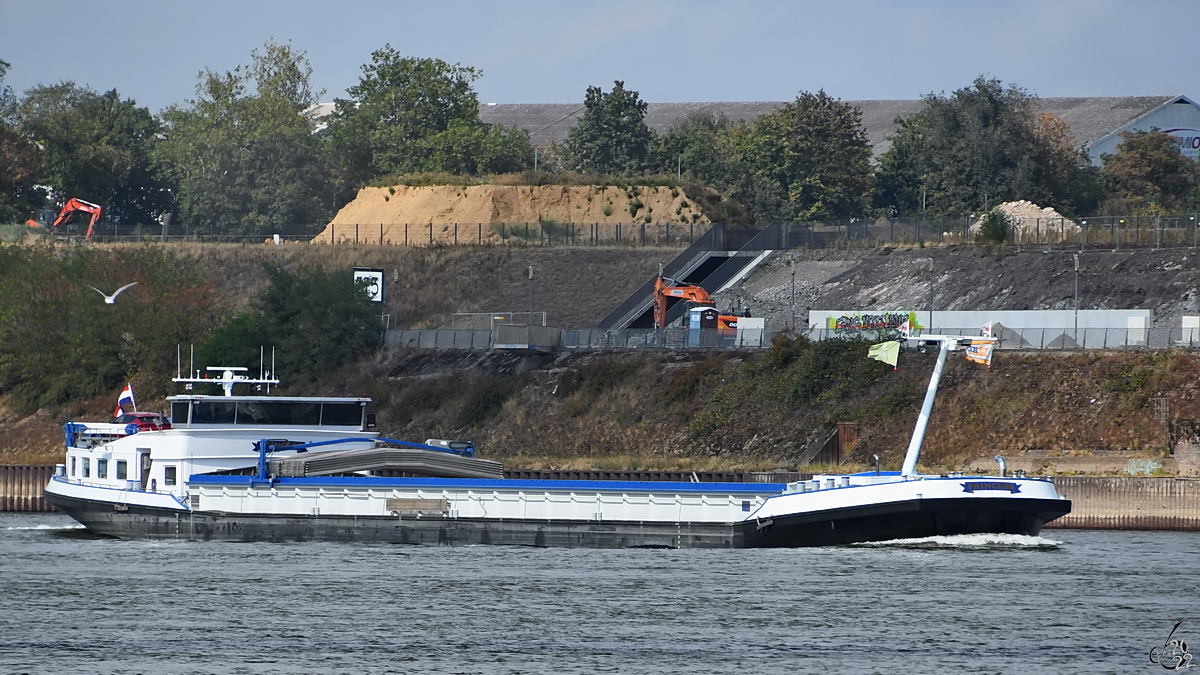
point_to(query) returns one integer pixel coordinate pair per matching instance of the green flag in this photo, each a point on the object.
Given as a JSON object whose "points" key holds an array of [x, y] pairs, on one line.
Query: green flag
{"points": [[888, 352]]}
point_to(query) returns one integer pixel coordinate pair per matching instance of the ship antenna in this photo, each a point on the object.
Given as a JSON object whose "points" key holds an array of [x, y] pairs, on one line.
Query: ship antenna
{"points": [[178, 359]]}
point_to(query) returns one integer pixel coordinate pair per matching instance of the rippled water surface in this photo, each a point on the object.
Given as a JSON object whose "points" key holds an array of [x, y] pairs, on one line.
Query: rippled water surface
{"points": [[1070, 601]]}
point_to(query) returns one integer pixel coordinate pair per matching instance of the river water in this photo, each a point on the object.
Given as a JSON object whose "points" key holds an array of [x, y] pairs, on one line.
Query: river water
{"points": [[1069, 601]]}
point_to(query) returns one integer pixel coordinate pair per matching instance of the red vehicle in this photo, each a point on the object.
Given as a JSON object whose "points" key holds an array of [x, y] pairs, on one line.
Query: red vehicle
{"points": [[71, 207], [145, 421]]}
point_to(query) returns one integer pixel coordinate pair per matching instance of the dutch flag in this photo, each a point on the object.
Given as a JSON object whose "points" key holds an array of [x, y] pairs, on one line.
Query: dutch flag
{"points": [[125, 399]]}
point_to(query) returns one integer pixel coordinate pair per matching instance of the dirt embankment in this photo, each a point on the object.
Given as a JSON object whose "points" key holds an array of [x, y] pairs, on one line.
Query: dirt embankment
{"points": [[757, 411], [403, 214]]}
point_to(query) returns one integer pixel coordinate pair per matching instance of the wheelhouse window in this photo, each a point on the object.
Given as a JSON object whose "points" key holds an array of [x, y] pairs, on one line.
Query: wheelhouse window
{"points": [[169, 475], [284, 412], [179, 412], [102, 468], [268, 413], [87, 467], [122, 469], [72, 466], [342, 414], [213, 412]]}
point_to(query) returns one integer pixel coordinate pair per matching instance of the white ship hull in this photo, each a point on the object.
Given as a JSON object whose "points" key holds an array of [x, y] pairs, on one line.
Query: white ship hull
{"points": [[589, 514]]}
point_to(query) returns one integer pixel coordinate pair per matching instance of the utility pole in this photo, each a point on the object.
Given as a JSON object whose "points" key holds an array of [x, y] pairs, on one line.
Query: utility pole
{"points": [[531, 295], [793, 298], [1076, 256], [930, 328]]}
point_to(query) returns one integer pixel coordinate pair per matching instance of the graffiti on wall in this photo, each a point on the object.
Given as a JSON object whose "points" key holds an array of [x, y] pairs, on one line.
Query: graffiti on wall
{"points": [[856, 323]]}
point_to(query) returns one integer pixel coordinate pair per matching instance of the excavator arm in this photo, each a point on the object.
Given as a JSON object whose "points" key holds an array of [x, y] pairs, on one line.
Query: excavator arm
{"points": [[74, 205], [665, 288], [71, 207]]}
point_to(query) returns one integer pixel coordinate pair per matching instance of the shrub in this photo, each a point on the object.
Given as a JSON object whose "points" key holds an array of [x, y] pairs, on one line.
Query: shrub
{"points": [[994, 228]]}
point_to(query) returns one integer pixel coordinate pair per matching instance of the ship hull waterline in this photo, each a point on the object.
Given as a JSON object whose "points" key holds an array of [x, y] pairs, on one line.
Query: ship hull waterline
{"points": [[907, 519]]}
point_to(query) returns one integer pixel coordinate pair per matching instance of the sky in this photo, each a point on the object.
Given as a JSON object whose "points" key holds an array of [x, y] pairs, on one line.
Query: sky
{"points": [[533, 51]]}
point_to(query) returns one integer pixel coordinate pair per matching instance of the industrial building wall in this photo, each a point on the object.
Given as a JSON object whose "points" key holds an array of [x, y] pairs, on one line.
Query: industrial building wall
{"points": [[1181, 119]]}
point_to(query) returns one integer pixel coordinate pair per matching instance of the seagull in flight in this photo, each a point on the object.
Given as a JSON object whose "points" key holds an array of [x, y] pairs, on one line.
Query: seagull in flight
{"points": [[112, 299]]}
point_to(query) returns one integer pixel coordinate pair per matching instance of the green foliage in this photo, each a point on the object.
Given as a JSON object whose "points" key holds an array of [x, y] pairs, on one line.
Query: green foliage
{"points": [[1149, 175], [411, 115], [833, 370], [612, 136], [246, 162], [95, 147], [20, 162], [1129, 378], [981, 146], [811, 158], [994, 229], [317, 321], [59, 342], [806, 160]]}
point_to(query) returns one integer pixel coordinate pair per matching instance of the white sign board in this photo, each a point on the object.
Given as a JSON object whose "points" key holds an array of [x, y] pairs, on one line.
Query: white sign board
{"points": [[373, 280]]}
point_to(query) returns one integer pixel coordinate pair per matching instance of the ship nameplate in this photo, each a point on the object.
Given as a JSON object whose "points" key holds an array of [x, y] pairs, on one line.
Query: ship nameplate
{"points": [[418, 505]]}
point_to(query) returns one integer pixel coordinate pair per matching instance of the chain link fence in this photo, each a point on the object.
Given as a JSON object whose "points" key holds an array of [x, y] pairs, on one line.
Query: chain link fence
{"points": [[1096, 232]]}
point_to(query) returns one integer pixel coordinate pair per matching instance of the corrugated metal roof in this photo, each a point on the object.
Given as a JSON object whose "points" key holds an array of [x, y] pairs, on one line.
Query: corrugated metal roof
{"points": [[1091, 118]]}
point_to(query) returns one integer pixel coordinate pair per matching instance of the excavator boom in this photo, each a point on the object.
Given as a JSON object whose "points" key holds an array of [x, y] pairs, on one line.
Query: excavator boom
{"points": [[665, 288], [73, 205]]}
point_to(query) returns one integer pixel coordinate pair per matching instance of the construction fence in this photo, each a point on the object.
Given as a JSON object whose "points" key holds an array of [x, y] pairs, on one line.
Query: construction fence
{"points": [[1049, 338], [1096, 232], [543, 338]]}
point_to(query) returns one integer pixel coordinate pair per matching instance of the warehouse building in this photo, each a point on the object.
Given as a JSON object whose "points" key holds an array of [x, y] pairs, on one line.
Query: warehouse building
{"points": [[1096, 121]]}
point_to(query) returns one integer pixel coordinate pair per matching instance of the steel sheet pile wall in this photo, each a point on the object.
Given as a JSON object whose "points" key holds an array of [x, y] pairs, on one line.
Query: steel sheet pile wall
{"points": [[1130, 503], [21, 487]]}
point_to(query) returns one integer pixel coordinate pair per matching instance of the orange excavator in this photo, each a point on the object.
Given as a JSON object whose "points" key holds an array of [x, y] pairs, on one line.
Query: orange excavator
{"points": [[70, 208], [690, 293]]}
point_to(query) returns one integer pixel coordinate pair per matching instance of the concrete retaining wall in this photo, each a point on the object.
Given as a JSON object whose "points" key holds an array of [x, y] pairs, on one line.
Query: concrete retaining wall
{"points": [[21, 487], [1130, 503]]}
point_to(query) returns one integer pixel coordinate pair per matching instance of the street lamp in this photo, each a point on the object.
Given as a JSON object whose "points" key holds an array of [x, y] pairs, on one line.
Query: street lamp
{"points": [[1076, 256]]}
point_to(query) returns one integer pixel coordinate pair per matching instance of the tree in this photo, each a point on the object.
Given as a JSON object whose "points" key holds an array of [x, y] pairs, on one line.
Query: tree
{"points": [[612, 136], [410, 114], [20, 162], [59, 341], [95, 147], [317, 321], [811, 156], [1149, 175], [697, 147], [981, 146], [242, 153]]}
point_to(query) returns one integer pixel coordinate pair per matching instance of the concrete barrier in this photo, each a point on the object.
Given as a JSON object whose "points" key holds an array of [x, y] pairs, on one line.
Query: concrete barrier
{"points": [[1130, 503], [21, 487]]}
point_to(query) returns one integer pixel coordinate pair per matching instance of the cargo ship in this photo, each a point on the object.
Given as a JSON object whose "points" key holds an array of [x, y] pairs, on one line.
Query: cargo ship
{"points": [[262, 467]]}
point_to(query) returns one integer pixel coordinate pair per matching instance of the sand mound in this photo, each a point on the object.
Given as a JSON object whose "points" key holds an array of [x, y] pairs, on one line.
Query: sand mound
{"points": [[404, 215], [1032, 221]]}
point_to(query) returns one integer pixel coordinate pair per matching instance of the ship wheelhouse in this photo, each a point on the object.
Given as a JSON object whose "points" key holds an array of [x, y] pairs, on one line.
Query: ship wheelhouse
{"points": [[208, 434]]}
